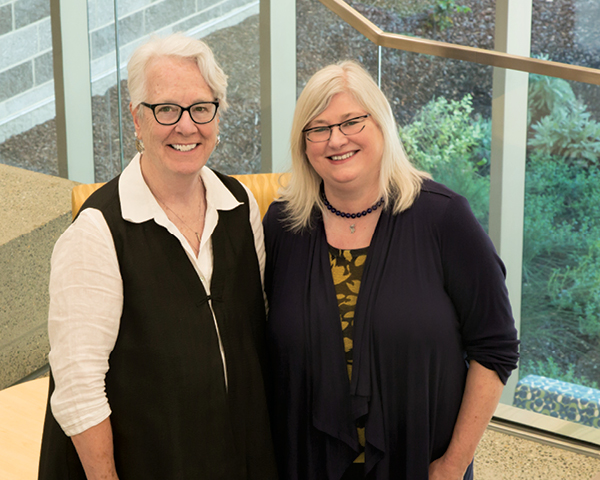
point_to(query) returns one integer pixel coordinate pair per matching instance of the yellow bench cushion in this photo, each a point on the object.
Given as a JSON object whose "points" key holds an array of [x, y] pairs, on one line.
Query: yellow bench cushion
{"points": [[264, 186]]}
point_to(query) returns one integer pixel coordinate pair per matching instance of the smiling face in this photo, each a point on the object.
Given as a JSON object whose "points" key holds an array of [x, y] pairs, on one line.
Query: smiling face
{"points": [[181, 149], [352, 161]]}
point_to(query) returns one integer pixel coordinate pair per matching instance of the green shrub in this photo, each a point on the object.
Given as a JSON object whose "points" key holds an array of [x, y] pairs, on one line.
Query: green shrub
{"points": [[561, 269], [560, 124], [568, 133], [441, 11], [550, 369], [446, 141], [562, 209], [561, 262], [547, 94], [575, 291]]}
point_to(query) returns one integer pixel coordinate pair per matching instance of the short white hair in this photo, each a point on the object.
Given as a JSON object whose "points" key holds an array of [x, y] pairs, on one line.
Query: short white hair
{"points": [[399, 181], [175, 45]]}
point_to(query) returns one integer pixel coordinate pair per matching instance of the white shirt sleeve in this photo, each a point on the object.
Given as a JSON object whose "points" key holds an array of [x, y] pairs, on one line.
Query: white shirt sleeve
{"points": [[259, 235], [86, 302]]}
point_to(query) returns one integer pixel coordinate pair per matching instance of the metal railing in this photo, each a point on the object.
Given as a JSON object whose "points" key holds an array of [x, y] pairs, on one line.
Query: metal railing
{"points": [[459, 52]]}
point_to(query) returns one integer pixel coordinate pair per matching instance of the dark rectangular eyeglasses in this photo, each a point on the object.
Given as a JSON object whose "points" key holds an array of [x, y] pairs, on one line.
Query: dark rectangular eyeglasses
{"points": [[170, 113], [349, 127]]}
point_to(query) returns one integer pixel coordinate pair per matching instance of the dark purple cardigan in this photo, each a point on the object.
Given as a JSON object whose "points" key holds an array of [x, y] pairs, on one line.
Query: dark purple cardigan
{"points": [[432, 296]]}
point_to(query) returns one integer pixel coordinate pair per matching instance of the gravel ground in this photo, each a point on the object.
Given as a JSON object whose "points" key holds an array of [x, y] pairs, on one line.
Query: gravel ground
{"points": [[410, 80]]}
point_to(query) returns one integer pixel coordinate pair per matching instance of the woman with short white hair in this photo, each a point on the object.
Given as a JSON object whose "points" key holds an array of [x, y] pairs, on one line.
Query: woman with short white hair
{"points": [[157, 312], [390, 330]]}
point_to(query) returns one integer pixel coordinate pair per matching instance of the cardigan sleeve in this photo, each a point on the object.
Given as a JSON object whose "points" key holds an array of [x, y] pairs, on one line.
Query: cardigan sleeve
{"points": [[474, 277]]}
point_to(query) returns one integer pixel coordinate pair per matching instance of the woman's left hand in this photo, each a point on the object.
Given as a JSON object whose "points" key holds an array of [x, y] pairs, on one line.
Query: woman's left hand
{"points": [[441, 469]]}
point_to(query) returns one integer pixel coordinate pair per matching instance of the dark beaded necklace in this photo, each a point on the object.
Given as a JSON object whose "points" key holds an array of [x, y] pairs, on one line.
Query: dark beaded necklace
{"points": [[332, 209]]}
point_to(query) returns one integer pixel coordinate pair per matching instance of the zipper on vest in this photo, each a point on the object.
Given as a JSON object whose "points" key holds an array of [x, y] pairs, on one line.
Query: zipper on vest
{"points": [[209, 299]]}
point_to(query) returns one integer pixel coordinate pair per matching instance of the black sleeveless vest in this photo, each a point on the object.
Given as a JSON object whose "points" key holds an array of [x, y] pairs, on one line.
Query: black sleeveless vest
{"points": [[172, 416]]}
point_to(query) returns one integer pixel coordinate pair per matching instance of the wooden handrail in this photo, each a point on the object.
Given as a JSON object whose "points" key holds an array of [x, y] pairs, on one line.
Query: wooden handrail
{"points": [[459, 52]]}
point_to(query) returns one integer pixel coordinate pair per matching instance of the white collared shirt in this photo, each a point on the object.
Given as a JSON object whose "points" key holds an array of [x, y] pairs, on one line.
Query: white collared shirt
{"points": [[86, 292]]}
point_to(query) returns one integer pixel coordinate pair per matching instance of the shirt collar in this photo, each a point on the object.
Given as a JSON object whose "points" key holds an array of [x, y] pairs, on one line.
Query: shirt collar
{"points": [[139, 205]]}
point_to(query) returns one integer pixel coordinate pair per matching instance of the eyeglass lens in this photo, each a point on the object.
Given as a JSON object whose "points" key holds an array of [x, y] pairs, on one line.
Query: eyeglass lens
{"points": [[171, 113], [350, 127]]}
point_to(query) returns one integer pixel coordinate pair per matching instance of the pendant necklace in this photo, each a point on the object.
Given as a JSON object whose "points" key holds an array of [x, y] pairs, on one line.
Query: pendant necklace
{"points": [[180, 219], [332, 209]]}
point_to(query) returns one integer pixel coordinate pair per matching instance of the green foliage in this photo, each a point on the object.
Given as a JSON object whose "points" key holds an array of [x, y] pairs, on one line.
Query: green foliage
{"points": [[550, 369], [560, 124], [561, 262], [441, 11], [561, 288], [568, 133], [575, 291], [561, 257], [446, 141], [547, 94], [562, 209]]}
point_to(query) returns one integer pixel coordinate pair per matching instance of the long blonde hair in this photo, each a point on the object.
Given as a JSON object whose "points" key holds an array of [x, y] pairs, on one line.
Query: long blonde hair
{"points": [[399, 181]]}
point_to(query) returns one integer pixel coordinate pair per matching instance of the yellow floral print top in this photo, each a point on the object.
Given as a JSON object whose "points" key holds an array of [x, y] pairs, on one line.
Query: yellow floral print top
{"points": [[347, 269]]}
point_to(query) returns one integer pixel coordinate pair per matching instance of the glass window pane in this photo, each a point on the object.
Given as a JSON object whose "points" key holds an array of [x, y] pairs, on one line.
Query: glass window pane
{"points": [[336, 41], [462, 22], [566, 31], [229, 27], [560, 326], [236, 49], [27, 127], [444, 111], [106, 92], [562, 31]]}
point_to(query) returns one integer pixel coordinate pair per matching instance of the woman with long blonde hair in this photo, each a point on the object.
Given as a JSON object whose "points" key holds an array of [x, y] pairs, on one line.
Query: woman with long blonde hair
{"points": [[390, 330]]}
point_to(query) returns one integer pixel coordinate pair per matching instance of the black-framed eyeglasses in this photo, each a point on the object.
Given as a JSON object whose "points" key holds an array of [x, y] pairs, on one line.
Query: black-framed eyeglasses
{"points": [[170, 113], [349, 127]]}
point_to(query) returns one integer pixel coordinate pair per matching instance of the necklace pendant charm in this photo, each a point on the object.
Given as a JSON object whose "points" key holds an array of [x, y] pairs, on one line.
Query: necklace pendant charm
{"points": [[352, 229]]}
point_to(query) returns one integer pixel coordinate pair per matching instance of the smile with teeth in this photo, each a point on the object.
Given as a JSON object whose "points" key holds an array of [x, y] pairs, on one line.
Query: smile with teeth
{"points": [[184, 148], [342, 157]]}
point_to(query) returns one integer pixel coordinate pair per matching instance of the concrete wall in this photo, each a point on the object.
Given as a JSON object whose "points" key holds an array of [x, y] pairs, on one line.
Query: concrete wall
{"points": [[34, 211]]}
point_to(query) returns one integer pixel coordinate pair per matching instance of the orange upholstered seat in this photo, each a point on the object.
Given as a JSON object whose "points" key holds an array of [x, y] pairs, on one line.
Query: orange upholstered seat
{"points": [[264, 186]]}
